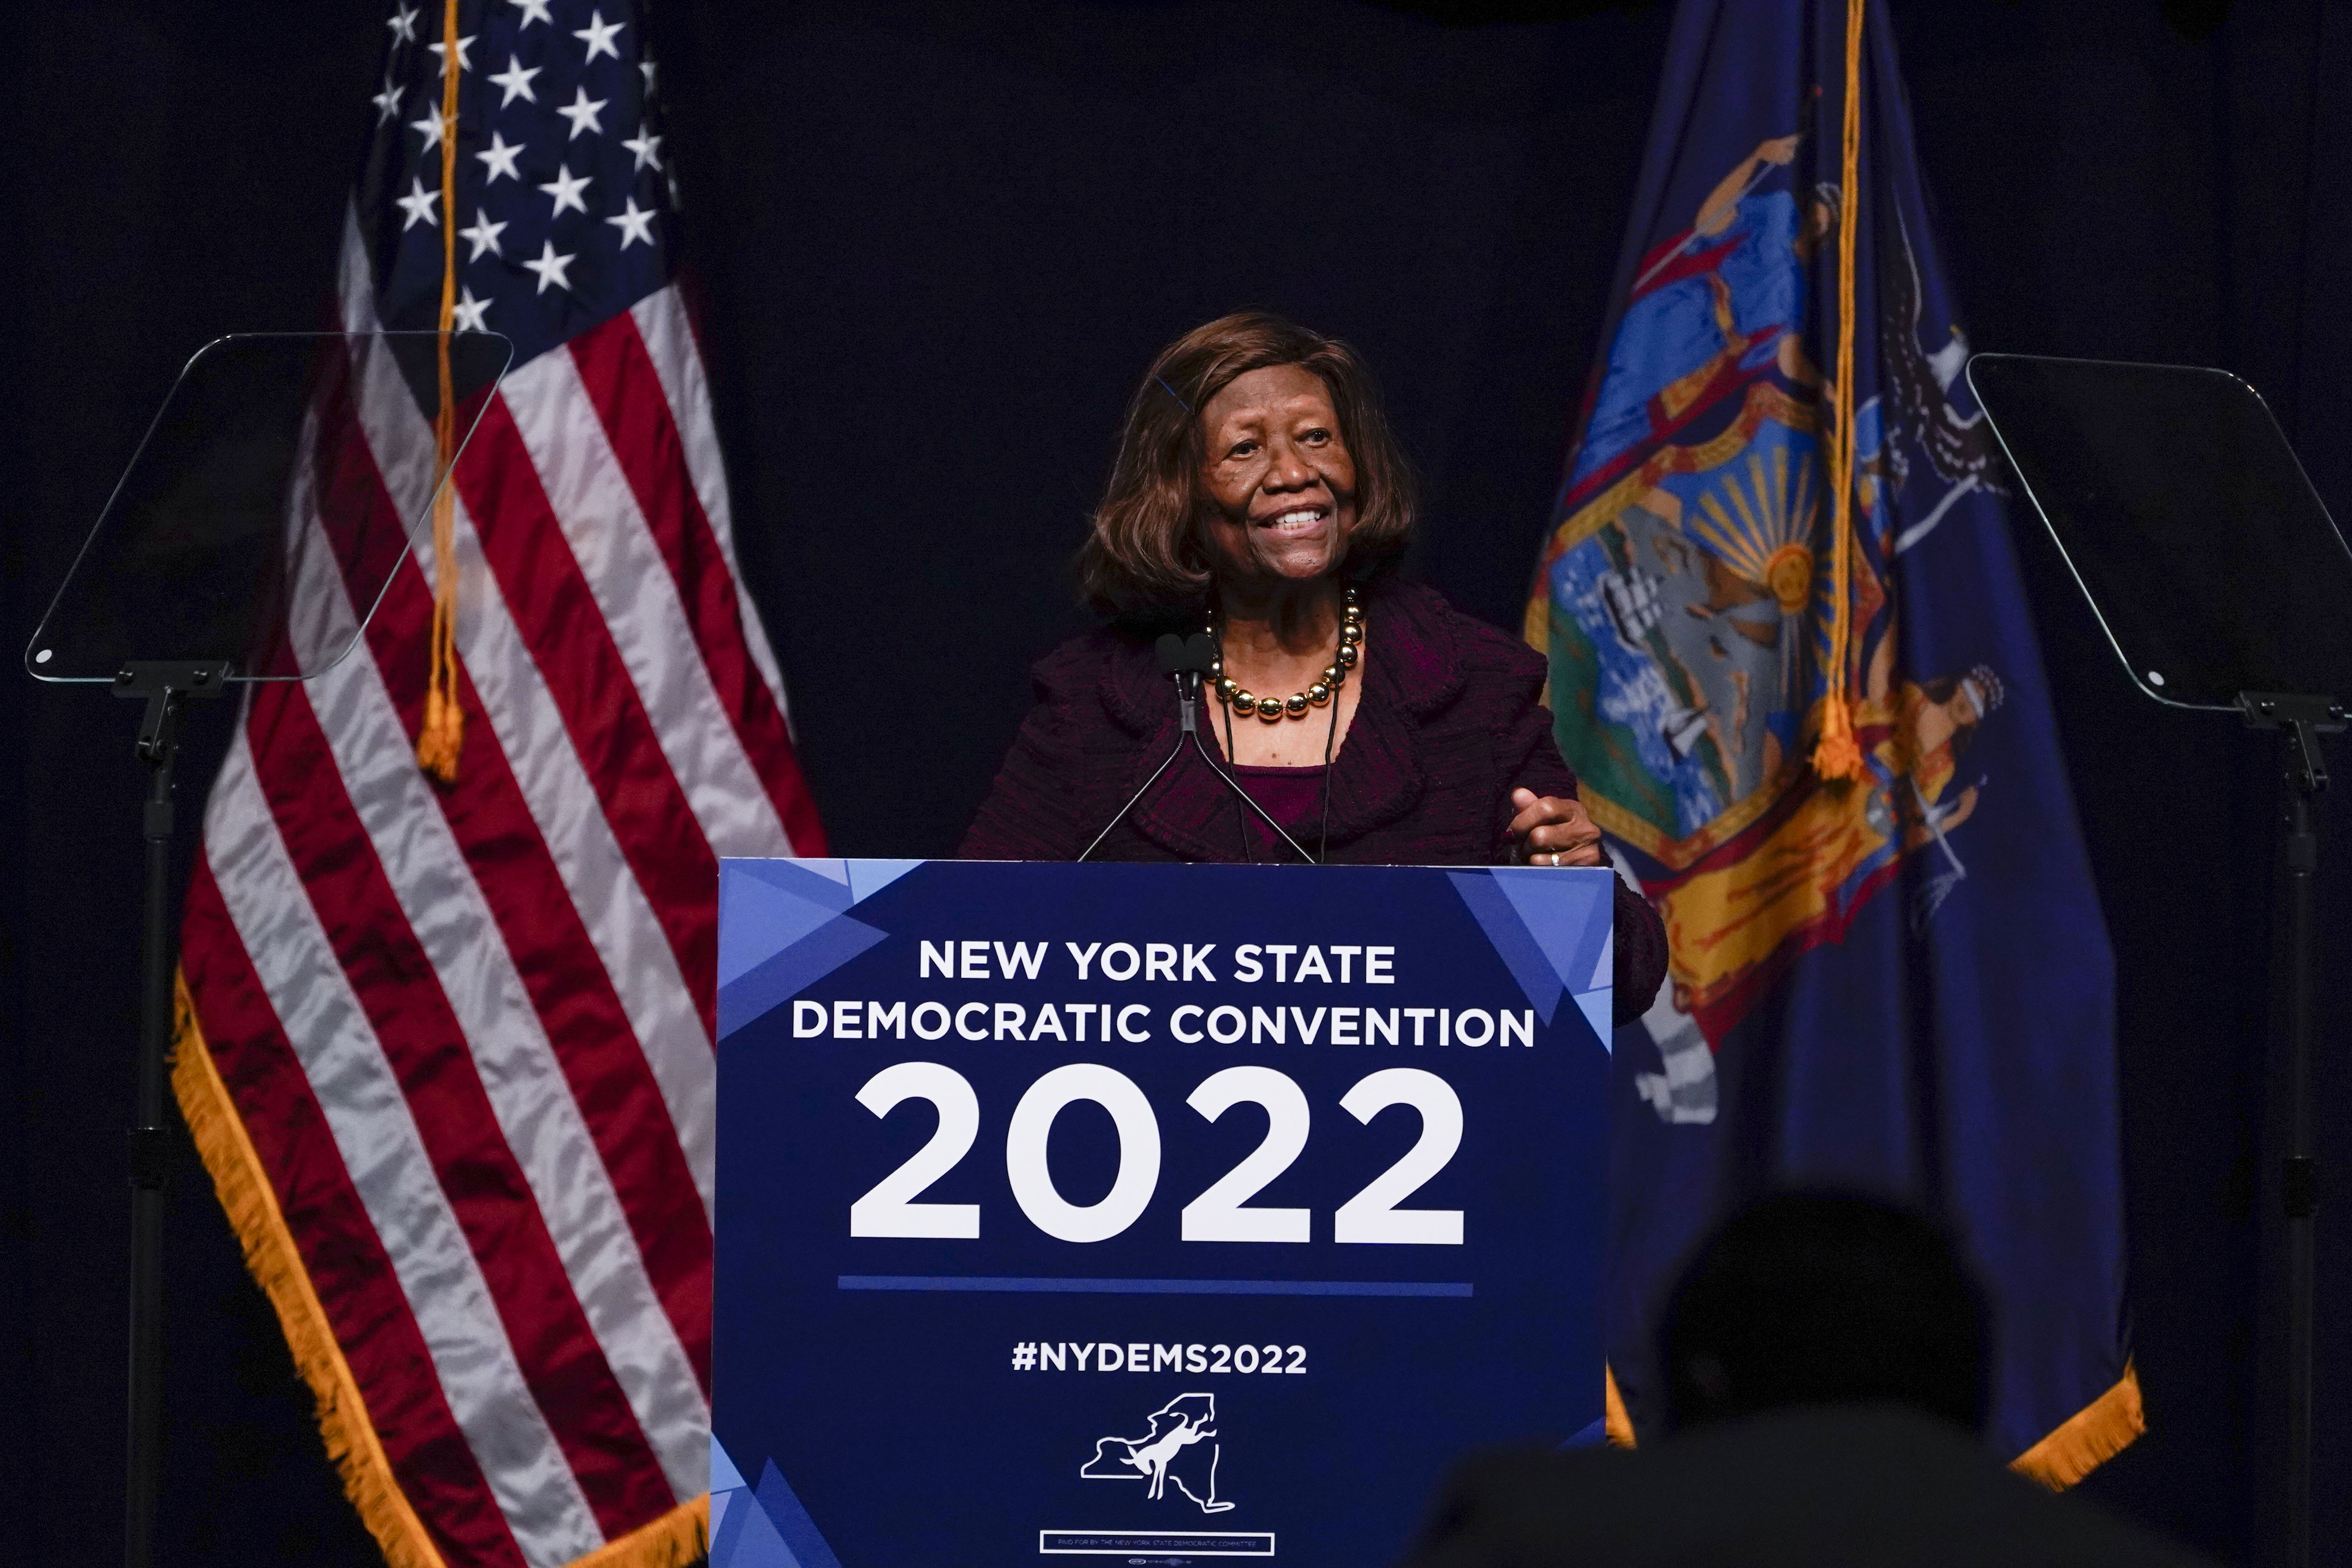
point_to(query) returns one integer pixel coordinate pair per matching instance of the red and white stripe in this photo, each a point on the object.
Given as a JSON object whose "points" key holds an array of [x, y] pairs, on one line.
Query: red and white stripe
{"points": [[469, 1030]]}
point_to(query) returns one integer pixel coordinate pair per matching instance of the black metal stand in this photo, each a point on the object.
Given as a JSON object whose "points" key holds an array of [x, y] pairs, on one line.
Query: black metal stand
{"points": [[2303, 719], [164, 687]]}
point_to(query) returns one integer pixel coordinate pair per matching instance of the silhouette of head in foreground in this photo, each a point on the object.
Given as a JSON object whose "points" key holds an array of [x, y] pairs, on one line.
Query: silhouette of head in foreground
{"points": [[1821, 1298], [1825, 1376]]}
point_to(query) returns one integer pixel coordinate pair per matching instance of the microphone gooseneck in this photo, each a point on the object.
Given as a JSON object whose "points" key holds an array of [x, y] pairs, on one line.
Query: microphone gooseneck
{"points": [[1187, 661]]}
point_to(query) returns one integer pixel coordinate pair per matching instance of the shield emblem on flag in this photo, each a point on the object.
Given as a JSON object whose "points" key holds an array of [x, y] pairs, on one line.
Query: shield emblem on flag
{"points": [[1688, 585]]}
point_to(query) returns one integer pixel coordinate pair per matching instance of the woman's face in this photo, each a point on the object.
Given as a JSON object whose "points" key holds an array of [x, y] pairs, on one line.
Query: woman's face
{"points": [[1282, 482]]}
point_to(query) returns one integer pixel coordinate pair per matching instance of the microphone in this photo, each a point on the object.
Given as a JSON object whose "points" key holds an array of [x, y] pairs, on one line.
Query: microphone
{"points": [[1187, 661], [1179, 660]]}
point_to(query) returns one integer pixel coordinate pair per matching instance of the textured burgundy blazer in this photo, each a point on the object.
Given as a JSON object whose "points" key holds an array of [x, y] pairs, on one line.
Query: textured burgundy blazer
{"points": [[1448, 725]]}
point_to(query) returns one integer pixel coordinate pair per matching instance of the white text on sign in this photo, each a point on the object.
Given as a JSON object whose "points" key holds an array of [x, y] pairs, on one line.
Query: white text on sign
{"points": [[1219, 1213]]}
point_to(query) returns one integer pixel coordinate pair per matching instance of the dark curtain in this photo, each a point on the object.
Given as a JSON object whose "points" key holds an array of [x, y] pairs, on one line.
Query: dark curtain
{"points": [[934, 246]]}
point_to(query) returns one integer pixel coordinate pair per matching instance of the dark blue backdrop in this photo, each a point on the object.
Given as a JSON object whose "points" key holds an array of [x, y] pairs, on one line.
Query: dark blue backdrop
{"points": [[937, 242]]}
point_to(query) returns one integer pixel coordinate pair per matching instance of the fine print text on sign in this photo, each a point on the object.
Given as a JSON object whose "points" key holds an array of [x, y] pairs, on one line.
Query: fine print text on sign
{"points": [[1162, 1211]]}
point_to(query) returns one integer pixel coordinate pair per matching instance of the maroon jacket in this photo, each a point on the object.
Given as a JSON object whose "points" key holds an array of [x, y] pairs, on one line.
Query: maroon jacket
{"points": [[1448, 725]]}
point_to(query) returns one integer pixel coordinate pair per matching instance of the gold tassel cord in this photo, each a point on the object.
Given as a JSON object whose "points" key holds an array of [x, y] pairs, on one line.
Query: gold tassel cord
{"points": [[1835, 753], [444, 734]]}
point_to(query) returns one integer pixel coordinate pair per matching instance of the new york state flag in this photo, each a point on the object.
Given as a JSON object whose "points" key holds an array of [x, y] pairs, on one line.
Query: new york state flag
{"points": [[1889, 970]]}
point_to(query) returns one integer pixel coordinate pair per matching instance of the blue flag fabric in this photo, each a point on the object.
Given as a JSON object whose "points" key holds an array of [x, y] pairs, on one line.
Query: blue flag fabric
{"points": [[1898, 982]]}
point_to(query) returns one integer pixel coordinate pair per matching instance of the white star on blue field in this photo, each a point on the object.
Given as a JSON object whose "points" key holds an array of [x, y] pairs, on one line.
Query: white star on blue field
{"points": [[564, 210]]}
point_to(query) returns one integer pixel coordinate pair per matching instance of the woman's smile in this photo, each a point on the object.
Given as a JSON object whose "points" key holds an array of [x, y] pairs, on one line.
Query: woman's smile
{"points": [[1280, 479], [1294, 520]]}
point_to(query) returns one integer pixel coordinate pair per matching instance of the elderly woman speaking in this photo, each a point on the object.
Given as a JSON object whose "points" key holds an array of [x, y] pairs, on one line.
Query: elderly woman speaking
{"points": [[1259, 495]]}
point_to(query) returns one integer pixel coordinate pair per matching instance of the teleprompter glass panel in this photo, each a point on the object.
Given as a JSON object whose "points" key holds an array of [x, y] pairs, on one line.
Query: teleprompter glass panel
{"points": [[2187, 519], [279, 464]]}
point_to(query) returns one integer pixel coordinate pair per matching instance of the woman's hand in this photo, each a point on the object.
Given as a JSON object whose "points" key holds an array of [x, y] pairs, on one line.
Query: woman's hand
{"points": [[1551, 831]]}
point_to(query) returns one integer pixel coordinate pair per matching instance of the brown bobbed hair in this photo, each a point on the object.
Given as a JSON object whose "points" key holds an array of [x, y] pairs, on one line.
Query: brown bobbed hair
{"points": [[1146, 560]]}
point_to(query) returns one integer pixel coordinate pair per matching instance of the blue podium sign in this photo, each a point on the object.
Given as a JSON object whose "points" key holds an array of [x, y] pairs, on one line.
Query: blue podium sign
{"points": [[1073, 1213]]}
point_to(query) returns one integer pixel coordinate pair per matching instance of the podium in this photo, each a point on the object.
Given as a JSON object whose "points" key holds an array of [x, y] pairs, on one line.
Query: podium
{"points": [[1088, 1212]]}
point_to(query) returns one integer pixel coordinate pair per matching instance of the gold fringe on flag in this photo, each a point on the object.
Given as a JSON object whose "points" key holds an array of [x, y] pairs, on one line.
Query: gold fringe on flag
{"points": [[251, 1205], [1615, 1419], [1835, 753], [2076, 1447], [438, 744], [2088, 1439], [675, 1539], [678, 1538]]}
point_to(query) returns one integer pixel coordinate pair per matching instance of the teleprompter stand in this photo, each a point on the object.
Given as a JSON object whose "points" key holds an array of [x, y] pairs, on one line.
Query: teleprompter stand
{"points": [[2221, 582], [2302, 720], [166, 686], [182, 590]]}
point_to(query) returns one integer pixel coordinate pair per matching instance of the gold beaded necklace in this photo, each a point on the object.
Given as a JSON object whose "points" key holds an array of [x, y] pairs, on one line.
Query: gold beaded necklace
{"points": [[1295, 706]]}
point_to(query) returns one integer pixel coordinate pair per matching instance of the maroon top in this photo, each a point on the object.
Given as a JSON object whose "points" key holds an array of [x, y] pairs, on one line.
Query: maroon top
{"points": [[1448, 725], [1292, 796]]}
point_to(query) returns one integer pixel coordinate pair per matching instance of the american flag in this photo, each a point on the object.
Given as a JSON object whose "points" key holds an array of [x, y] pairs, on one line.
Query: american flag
{"points": [[446, 1049]]}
